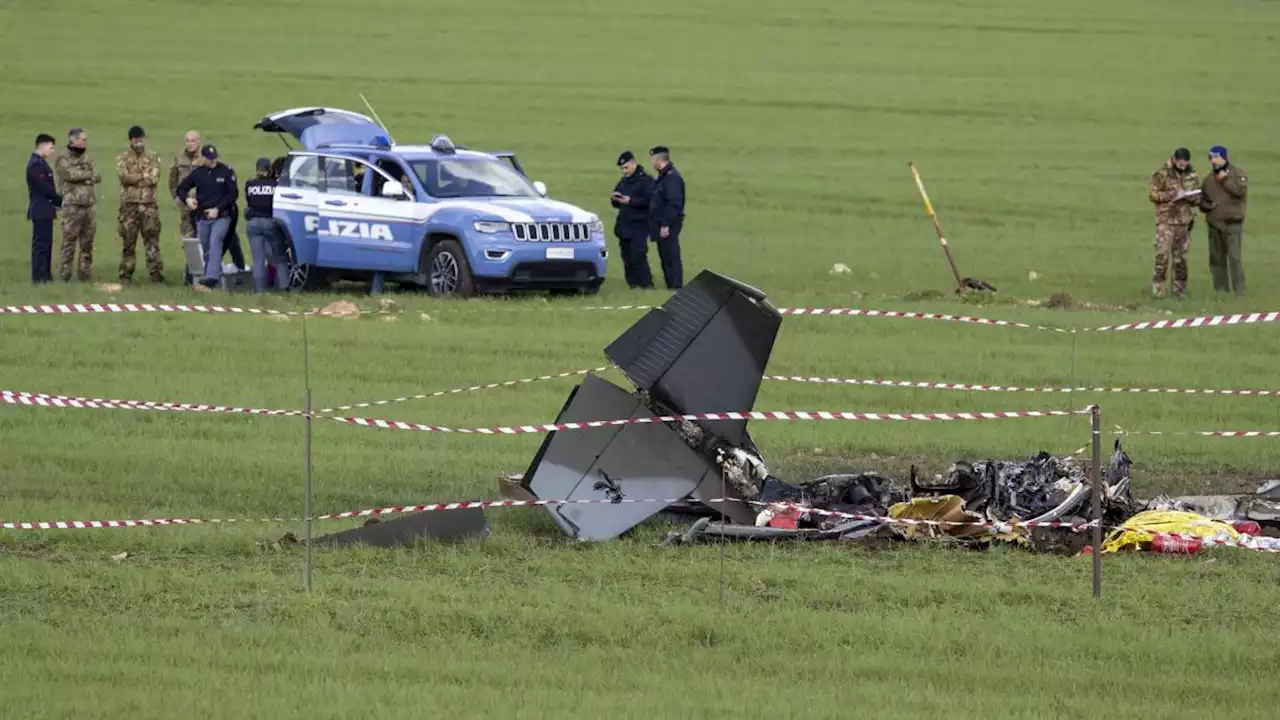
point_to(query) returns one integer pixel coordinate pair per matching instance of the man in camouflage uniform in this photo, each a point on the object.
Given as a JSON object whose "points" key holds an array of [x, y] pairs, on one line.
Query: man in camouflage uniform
{"points": [[1175, 214], [183, 163], [76, 177], [139, 171]]}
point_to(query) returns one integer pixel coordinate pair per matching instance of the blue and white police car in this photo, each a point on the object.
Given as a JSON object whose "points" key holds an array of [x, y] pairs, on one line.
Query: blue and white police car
{"points": [[453, 220]]}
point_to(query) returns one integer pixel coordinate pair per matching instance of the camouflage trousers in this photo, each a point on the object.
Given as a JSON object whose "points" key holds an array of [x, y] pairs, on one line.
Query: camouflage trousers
{"points": [[79, 225], [187, 223], [1171, 246], [144, 219]]}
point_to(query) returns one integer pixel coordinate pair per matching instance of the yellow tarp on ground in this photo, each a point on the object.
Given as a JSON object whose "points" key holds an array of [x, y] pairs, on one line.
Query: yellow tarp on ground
{"points": [[1141, 528]]}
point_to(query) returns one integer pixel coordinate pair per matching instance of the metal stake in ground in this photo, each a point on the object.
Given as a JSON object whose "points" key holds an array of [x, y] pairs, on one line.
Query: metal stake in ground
{"points": [[962, 283], [1096, 419], [306, 471]]}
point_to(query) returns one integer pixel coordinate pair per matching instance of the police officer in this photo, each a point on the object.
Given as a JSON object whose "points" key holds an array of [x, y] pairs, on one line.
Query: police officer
{"points": [[42, 208], [214, 203], [259, 194], [666, 215], [631, 198]]}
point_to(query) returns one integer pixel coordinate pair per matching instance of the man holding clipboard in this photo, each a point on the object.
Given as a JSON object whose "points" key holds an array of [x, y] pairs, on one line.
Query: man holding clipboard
{"points": [[1175, 190]]}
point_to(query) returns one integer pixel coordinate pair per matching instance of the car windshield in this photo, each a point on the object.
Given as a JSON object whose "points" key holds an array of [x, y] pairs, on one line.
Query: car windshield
{"points": [[458, 177]]}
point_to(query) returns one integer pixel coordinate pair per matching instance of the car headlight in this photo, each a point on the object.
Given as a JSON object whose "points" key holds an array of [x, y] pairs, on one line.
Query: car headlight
{"points": [[490, 227], [596, 226]]}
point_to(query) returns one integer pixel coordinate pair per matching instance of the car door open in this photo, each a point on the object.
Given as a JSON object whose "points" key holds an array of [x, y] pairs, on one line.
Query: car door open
{"points": [[359, 231]]}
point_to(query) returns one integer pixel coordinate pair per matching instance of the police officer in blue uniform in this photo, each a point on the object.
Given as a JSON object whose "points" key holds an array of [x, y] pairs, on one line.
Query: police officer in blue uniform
{"points": [[42, 207], [666, 215], [264, 238], [631, 198], [214, 203]]}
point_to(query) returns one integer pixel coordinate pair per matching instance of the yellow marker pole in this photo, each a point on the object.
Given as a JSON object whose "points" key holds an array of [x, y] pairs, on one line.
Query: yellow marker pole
{"points": [[942, 239]]}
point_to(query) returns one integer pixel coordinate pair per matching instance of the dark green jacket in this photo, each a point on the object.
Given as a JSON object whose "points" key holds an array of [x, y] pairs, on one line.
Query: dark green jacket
{"points": [[1224, 201]]}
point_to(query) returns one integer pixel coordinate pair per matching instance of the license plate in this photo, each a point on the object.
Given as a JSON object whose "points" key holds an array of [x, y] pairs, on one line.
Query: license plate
{"points": [[554, 253]]}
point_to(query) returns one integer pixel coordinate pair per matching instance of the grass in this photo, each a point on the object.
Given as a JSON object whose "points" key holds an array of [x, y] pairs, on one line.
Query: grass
{"points": [[1034, 126]]}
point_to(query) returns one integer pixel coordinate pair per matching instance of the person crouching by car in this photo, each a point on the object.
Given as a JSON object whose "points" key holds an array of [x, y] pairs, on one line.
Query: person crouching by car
{"points": [[259, 196], [214, 204]]}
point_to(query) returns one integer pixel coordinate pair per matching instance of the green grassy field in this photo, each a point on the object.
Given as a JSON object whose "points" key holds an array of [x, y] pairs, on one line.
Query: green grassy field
{"points": [[1035, 126]]}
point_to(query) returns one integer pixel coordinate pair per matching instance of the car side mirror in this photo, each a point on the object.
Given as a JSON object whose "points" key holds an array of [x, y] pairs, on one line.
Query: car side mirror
{"points": [[393, 189], [541, 187]]}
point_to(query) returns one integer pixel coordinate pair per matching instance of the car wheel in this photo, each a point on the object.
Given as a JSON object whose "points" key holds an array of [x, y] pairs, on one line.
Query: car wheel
{"points": [[303, 276], [447, 272]]}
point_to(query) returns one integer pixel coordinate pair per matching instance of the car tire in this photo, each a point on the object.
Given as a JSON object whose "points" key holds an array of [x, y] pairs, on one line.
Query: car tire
{"points": [[304, 277], [446, 272]]}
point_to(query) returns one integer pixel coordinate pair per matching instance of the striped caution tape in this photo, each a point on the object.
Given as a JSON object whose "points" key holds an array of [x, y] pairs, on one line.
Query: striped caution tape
{"points": [[1200, 433], [12, 397], [97, 308], [998, 526], [1187, 322], [723, 416], [1176, 323], [977, 387], [32, 399], [1247, 542], [65, 401], [368, 512], [455, 391], [495, 504]]}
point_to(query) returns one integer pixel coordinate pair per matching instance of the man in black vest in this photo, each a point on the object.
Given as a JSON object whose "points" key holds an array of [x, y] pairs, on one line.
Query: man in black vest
{"points": [[42, 208], [631, 198], [666, 215]]}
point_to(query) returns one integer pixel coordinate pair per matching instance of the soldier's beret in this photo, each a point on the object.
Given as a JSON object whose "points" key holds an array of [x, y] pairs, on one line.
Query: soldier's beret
{"points": [[659, 150], [626, 157], [136, 132]]}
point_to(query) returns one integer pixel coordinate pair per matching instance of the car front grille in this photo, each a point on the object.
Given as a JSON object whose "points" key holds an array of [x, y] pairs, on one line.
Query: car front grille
{"points": [[551, 232]]}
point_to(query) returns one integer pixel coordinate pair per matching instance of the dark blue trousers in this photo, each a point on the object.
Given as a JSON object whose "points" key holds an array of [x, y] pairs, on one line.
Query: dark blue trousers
{"points": [[633, 246], [41, 251], [669, 255]]}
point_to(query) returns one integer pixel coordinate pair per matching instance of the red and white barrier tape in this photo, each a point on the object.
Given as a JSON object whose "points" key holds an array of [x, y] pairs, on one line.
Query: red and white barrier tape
{"points": [[21, 398], [1201, 433], [1257, 544], [1186, 322], [492, 504], [974, 387], [455, 391], [96, 308], [754, 415], [13, 397], [369, 512], [999, 526], [1177, 323]]}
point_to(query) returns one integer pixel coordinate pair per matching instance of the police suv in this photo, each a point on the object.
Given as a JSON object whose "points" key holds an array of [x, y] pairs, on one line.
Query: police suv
{"points": [[453, 220]]}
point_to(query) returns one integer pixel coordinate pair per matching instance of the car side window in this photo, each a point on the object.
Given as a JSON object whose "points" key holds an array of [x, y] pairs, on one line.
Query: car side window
{"points": [[302, 171], [396, 172], [339, 176]]}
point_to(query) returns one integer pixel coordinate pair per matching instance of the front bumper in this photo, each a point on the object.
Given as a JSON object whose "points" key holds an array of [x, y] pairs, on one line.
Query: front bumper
{"points": [[503, 263]]}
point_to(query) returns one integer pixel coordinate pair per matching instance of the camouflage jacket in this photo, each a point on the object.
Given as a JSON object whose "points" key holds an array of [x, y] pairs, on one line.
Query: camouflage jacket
{"points": [[139, 175], [1165, 185], [181, 168], [76, 177]]}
